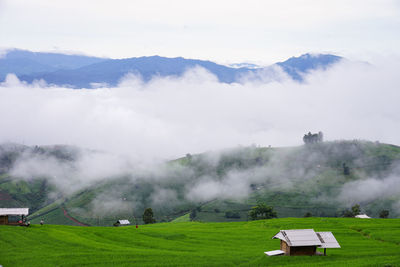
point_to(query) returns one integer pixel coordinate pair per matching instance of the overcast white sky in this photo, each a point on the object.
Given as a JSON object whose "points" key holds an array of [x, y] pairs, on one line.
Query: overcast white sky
{"points": [[260, 31]]}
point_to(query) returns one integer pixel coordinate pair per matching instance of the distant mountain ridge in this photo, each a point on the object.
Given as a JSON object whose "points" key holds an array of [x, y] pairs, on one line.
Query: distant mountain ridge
{"points": [[22, 62], [79, 71]]}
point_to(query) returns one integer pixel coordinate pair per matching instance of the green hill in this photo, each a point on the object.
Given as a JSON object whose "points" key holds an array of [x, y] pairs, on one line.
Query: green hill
{"points": [[324, 179], [371, 242]]}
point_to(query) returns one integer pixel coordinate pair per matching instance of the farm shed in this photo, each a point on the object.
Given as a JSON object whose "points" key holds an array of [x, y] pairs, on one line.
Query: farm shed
{"points": [[362, 216], [6, 212], [305, 241], [122, 223]]}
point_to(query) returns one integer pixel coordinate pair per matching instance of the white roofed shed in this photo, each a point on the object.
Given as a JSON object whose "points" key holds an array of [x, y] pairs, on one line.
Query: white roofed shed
{"points": [[327, 240], [14, 211], [122, 223], [305, 241], [299, 238], [5, 212], [362, 216]]}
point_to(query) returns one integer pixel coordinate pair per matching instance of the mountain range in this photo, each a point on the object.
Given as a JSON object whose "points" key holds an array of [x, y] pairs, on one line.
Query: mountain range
{"points": [[79, 71]]}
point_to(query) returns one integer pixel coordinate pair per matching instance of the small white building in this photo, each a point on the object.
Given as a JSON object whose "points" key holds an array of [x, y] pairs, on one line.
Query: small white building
{"points": [[5, 212], [122, 223], [362, 216], [303, 242]]}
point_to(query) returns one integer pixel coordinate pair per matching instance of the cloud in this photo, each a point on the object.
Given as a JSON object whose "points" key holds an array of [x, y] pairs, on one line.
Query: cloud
{"points": [[370, 189], [70, 174], [169, 117], [128, 129]]}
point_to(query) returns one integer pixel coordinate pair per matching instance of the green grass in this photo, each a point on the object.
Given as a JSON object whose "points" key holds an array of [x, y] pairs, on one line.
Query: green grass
{"points": [[374, 242], [183, 218]]}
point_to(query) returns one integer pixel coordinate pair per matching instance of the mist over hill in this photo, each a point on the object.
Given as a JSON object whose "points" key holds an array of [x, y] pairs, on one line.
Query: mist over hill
{"points": [[79, 71], [120, 142], [98, 187]]}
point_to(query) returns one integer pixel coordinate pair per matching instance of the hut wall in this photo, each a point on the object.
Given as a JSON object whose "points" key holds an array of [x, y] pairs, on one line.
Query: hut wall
{"points": [[4, 219], [309, 250], [285, 247]]}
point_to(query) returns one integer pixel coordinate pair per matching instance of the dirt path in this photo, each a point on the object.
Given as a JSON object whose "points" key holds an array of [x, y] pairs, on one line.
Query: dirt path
{"points": [[72, 218]]}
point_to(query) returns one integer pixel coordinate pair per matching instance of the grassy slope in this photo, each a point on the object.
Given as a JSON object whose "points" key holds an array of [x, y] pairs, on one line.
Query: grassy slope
{"points": [[374, 242]]}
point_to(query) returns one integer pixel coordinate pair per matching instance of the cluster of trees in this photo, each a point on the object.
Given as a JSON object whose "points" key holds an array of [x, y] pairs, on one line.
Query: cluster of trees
{"points": [[356, 210], [259, 212], [262, 211], [313, 138], [384, 214], [232, 215]]}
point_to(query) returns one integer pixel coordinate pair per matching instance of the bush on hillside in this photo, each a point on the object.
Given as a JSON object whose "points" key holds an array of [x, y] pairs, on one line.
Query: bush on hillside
{"points": [[232, 214], [262, 211], [384, 214]]}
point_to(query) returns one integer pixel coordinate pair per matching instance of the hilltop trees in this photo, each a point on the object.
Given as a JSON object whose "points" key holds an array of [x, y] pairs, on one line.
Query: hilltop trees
{"points": [[313, 138], [262, 211]]}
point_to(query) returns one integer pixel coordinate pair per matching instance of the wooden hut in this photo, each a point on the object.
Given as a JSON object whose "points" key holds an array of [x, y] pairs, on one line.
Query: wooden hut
{"points": [[362, 216], [122, 223], [303, 242], [6, 212]]}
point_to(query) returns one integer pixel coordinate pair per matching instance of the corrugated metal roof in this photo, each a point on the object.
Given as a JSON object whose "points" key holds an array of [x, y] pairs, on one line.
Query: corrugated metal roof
{"points": [[124, 222], [328, 240], [299, 238], [14, 211], [275, 252], [363, 216], [279, 236]]}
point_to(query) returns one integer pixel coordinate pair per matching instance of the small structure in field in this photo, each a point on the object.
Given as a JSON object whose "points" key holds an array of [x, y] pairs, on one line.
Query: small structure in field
{"points": [[362, 216], [6, 212], [122, 223], [303, 242]]}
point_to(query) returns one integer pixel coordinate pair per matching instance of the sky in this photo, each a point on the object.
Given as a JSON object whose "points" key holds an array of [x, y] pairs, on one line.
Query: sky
{"points": [[170, 116], [225, 31]]}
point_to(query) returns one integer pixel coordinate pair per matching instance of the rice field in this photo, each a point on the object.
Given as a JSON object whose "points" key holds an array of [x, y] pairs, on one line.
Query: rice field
{"points": [[370, 242]]}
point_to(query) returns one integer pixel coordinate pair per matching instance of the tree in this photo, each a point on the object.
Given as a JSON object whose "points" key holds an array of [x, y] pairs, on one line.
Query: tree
{"points": [[348, 213], [232, 214], [346, 169], [384, 214], [356, 209], [313, 138], [308, 214], [193, 214], [148, 216], [262, 211]]}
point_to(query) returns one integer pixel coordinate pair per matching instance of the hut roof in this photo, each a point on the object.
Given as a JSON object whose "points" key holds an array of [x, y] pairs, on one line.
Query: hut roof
{"points": [[299, 238], [123, 222], [307, 237], [14, 211], [327, 240], [363, 216]]}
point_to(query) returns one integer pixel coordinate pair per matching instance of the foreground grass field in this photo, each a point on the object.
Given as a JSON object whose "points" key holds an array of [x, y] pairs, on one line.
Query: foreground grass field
{"points": [[373, 242]]}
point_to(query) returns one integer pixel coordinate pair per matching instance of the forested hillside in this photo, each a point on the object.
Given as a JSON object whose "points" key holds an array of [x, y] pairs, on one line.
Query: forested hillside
{"points": [[322, 179]]}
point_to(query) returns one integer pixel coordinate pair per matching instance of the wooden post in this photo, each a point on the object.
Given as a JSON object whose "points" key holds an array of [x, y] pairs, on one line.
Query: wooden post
{"points": [[324, 251]]}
